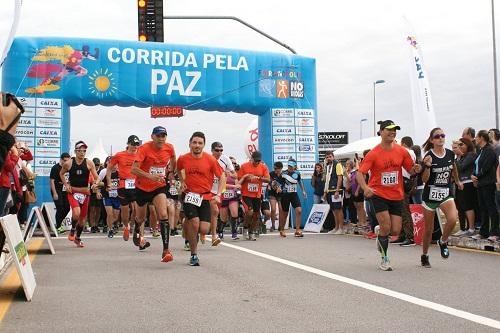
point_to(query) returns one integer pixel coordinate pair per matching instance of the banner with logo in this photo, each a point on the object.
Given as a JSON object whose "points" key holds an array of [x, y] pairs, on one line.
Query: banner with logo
{"points": [[424, 118], [417, 215], [317, 217]]}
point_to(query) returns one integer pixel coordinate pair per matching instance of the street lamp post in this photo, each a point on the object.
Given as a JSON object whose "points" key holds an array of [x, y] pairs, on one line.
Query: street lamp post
{"points": [[361, 127], [374, 118]]}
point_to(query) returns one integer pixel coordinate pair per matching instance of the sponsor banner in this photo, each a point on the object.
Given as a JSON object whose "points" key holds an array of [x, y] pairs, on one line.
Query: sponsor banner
{"points": [[47, 152], [49, 103], [25, 131], [26, 122], [283, 139], [305, 166], [306, 148], [282, 113], [304, 121], [48, 142], [333, 138], [42, 172], [283, 122], [417, 215], [284, 148], [284, 157], [48, 122], [306, 157], [317, 217], [29, 112], [283, 130], [30, 142], [27, 101], [306, 174], [304, 130], [48, 112], [306, 139], [46, 161], [297, 89], [306, 113], [48, 132]]}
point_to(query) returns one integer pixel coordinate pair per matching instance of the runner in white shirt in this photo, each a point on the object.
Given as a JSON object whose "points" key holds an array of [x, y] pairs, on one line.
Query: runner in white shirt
{"points": [[227, 166]]}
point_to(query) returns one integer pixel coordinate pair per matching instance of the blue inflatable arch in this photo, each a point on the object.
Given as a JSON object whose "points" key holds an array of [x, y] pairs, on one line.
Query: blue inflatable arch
{"points": [[50, 75]]}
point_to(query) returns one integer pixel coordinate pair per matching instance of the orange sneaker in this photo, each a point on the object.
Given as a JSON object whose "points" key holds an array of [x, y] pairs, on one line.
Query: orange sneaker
{"points": [[78, 242], [167, 256], [71, 235], [216, 241], [126, 233], [143, 244]]}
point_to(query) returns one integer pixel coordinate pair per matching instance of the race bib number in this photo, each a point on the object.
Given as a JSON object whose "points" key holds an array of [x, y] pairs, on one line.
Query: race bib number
{"points": [[129, 183], [291, 188], [157, 171], [389, 178], [439, 193], [79, 197], [193, 198], [113, 193], [66, 176], [251, 187], [173, 190], [228, 195]]}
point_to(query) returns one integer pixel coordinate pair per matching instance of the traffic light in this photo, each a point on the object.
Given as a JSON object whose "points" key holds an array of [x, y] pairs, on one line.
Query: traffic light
{"points": [[150, 20]]}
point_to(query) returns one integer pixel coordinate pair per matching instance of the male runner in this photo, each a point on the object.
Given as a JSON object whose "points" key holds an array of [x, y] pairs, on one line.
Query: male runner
{"points": [[385, 186], [251, 176], [77, 186], [150, 166], [126, 185], [197, 170], [227, 166], [58, 192]]}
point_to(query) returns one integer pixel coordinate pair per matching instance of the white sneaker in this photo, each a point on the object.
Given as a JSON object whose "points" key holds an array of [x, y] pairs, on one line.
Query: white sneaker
{"points": [[459, 233], [478, 237], [493, 238], [339, 232], [333, 231], [385, 264], [377, 229]]}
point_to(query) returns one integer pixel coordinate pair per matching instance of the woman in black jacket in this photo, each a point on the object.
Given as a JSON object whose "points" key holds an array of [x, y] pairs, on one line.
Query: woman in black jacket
{"points": [[484, 178], [466, 192]]}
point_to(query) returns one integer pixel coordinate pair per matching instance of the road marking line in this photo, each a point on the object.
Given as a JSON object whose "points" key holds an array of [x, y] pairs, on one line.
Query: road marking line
{"points": [[380, 290], [11, 284]]}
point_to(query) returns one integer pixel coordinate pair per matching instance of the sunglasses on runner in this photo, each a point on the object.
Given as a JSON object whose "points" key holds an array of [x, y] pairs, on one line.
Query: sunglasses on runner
{"points": [[7, 98], [81, 150], [219, 150], [437, 136]]}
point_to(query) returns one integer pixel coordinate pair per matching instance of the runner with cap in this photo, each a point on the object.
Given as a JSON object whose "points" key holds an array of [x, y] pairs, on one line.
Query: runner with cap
{"points": [[126, 186], [197, 170], [150, 166], [251, 176], [291, 180], [110, 196], [80, 171], [385, 187], [228, 168]]}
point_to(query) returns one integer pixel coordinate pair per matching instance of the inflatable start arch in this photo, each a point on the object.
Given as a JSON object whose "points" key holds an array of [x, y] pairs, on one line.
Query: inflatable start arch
{"points": [[49, 75]]}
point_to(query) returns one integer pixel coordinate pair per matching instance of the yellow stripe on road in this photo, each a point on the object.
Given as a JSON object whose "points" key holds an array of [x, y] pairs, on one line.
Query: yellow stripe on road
{"points": [[11, 284]]}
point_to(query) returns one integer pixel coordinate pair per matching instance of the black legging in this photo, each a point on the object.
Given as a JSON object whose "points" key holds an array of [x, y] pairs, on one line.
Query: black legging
{"points": [[488, 209]]}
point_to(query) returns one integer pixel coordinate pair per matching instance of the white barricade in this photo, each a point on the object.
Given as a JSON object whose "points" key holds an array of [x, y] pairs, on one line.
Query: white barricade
{"points": [[50, 211], [317, 217], [36, 218], [19, 253]]}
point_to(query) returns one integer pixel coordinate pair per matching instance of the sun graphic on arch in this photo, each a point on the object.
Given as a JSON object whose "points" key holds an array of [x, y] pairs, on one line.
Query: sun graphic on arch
{"points": [[102, 83]]}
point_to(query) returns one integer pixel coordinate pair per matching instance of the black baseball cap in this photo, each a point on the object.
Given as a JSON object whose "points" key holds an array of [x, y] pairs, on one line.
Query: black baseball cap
{"points": [[257, 156], [389, 124], [133, 140], [159, 130]]}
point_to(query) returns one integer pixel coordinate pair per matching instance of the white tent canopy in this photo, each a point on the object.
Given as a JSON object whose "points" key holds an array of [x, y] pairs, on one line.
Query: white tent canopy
{"points": [[348, 151], [98, 152]]}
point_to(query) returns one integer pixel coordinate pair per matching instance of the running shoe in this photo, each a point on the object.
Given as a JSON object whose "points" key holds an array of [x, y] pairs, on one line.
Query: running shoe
{"points": [[399, 240], [216, 241], [78, 242], [298, 234], [424, 259], [126, 233], [143, 244], [272, 229], [194, 261], [468, 233], [187, 247], [234, 236], [71, 235], [61, 230], [339, 232], [385, 264], [332, 232], [156, 234], [478, 237], [251, 236], [111, 233], [371, 235], [202, 238], [221, 235], [136, 238], [443, 246], [493, 238], [408, 243], [282, 234], [167, 256], [459, 233]]}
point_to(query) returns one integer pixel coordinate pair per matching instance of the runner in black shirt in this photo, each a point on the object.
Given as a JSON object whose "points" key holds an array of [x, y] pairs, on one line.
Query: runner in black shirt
{"points": [[58, 192]]}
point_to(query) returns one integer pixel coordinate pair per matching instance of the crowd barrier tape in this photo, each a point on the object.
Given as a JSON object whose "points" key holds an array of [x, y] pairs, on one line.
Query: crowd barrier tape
{"points": [[19, 252]]}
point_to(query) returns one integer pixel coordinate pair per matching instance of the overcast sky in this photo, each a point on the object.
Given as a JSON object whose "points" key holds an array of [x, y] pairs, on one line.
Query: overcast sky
{"points": [[354, 42]]}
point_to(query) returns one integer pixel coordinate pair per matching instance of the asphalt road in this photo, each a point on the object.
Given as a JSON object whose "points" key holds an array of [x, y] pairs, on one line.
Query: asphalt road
{"points": [[109, 286]]}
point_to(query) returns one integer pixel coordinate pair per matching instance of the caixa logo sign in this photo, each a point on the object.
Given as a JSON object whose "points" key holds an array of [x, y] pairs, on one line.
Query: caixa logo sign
{"points": [[48, 132], [336, 138]]}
